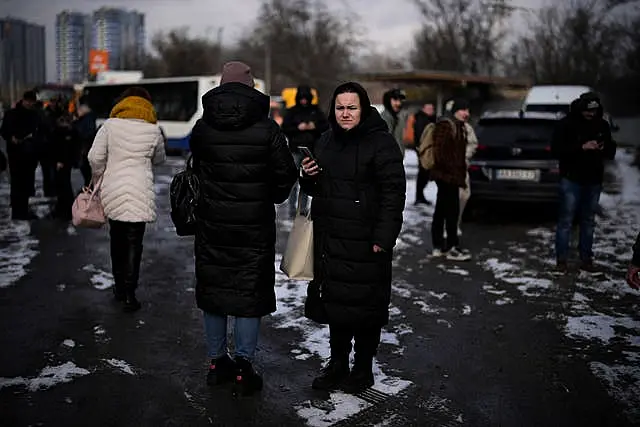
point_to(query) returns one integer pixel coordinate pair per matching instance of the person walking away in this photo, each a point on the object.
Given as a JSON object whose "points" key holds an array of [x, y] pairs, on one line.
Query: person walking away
{"points": [[245, 167], [64, 148], [46, 155], [465, 193], [85, 128], [582, 143], [122, 155], [20, 129], [394, 115], [449, 173], [302, 125], [422, 118], [358, 195]]}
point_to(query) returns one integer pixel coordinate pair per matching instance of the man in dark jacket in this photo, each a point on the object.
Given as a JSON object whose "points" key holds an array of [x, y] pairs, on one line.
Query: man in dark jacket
{"points": [[64, 142], [303, 124], [21, 129], [423, 117], [582, 143], [449, 172], [244, 167]]}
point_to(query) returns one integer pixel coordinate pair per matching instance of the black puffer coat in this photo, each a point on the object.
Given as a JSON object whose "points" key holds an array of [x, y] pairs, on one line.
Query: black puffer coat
{"points": [[244, 166], [358, 200]]}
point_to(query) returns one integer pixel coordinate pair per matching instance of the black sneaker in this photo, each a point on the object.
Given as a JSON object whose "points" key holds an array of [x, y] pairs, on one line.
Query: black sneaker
{"points": [[247, 380], [332, 375], [221, 371], [562, 266]]}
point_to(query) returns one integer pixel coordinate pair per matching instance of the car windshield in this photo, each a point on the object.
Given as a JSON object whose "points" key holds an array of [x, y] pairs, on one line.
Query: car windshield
{"points": [[508, 131]]}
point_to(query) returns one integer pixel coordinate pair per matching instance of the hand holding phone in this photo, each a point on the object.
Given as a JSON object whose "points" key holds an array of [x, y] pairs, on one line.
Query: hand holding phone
{"points": [[309, 163]]}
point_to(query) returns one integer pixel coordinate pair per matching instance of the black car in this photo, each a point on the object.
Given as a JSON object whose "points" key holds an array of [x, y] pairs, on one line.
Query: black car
{"points": [[514, 160]]}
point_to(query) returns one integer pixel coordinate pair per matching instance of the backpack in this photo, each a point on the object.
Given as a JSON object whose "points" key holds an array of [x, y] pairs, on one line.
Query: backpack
{"points": [[426, 152]]}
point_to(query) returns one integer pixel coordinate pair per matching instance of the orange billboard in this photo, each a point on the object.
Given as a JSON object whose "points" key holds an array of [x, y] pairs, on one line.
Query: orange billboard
{"points": [[98, 61]]}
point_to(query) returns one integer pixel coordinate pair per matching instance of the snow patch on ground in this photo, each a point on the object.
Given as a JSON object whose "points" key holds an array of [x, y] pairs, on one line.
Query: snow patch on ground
{"points": [[48, 377], [100, 279], [121, 365]]}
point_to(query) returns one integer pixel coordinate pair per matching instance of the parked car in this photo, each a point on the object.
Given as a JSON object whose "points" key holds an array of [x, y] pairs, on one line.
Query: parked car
{"points": [[514, 160]]}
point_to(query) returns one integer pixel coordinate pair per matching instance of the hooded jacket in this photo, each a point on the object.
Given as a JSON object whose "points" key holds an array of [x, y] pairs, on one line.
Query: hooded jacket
{"points": [[396, 122], [572, 132], [358, 200], [244, 167], [306, 113]]}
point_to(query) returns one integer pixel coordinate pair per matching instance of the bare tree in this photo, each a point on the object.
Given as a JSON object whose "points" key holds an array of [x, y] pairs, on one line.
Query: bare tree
{"points": [[204, 56], [461, 35], [302, 41]]}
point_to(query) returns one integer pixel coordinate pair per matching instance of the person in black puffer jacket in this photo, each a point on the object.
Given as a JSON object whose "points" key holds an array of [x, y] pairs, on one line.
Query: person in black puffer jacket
{"points": [[245, 167], [358, 200]]}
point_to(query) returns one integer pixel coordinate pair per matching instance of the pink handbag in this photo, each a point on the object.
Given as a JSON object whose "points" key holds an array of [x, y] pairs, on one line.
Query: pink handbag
{"points": [[87, 211]]}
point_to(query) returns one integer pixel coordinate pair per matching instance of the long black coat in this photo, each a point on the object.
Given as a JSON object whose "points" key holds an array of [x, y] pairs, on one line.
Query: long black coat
{"points": [[358, 200], [244, 166]]}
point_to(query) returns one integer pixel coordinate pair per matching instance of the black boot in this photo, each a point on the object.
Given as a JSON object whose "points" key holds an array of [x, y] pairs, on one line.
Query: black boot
{"points": [[247, 379], [361, 376], [221, 371], [332, 376]]}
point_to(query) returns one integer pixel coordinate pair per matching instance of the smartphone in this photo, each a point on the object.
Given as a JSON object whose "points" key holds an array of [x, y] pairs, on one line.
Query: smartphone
{"points": [[307, 153]]}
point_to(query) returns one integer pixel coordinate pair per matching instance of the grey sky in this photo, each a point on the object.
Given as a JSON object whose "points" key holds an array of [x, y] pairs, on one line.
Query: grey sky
{"points": [[389, 24]]}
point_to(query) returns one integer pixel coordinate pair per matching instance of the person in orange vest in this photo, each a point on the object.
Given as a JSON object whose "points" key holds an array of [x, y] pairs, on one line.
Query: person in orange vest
{"points": [[416, 123]]}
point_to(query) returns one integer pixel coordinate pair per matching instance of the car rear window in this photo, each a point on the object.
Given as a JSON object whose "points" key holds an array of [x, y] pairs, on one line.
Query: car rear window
{"points": [[507, 131]]}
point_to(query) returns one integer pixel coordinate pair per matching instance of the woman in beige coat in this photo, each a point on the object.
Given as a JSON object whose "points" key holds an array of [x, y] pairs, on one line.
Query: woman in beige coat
{"points": [[122, 155]]}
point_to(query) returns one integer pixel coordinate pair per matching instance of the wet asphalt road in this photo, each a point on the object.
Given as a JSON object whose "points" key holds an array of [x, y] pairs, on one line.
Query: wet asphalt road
{"points": [[467, 359]]}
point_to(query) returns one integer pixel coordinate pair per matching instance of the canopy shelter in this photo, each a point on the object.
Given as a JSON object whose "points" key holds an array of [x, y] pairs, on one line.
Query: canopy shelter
{"points": [[443, 81]]}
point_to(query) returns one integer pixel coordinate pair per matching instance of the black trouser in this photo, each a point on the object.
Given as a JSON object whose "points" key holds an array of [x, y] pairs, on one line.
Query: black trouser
{"points": [[85, 170], [366, 340], [446, 215], [126, 253], [64, 190], [22, 170], [48, 166], [421, 182]]}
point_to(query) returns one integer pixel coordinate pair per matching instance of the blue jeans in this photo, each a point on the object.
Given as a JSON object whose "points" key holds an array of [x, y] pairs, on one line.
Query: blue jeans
{"points": [[293, 196], [246, 336], [582, 200]]}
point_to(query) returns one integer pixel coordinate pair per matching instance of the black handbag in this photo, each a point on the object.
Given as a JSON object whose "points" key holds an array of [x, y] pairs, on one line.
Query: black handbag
{"points": [[184, 194], [314, 308]]}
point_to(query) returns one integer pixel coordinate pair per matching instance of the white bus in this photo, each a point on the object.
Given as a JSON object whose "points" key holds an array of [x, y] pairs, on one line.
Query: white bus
{"points": [[177, 101]]}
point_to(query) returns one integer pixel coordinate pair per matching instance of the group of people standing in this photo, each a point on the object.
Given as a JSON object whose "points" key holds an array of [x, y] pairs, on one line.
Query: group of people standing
{"points": [[53, 138], [246, 164]]}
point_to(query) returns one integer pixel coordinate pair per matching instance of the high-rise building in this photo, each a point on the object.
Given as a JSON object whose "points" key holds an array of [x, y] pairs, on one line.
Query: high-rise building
{"points": [[22, 56], [122, 34], [73, 38]]}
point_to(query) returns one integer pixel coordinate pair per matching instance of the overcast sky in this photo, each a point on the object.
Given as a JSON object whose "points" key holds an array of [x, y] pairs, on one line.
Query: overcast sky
{"points": [[390, 24]]}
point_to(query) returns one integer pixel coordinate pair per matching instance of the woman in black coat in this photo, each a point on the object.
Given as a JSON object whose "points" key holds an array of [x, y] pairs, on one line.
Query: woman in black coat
{"points": [[244, 167], [358, 189]]}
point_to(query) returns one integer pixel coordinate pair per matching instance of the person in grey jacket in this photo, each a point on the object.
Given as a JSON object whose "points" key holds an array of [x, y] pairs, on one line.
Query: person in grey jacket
{"points": [[394, 115]]}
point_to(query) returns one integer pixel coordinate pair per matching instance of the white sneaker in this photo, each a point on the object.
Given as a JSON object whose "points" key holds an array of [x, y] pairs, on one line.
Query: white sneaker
{"points": [[456, 254], [437, 253]]}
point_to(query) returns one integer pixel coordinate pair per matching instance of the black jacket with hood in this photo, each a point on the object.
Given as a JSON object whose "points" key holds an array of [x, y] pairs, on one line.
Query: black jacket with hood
{"points": [[300, 113], [244, 167], [576, 164], [358, 200]]}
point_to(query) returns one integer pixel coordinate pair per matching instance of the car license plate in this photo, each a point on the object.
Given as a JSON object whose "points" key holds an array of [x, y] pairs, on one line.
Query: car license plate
{"points": [[518, 174]]}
